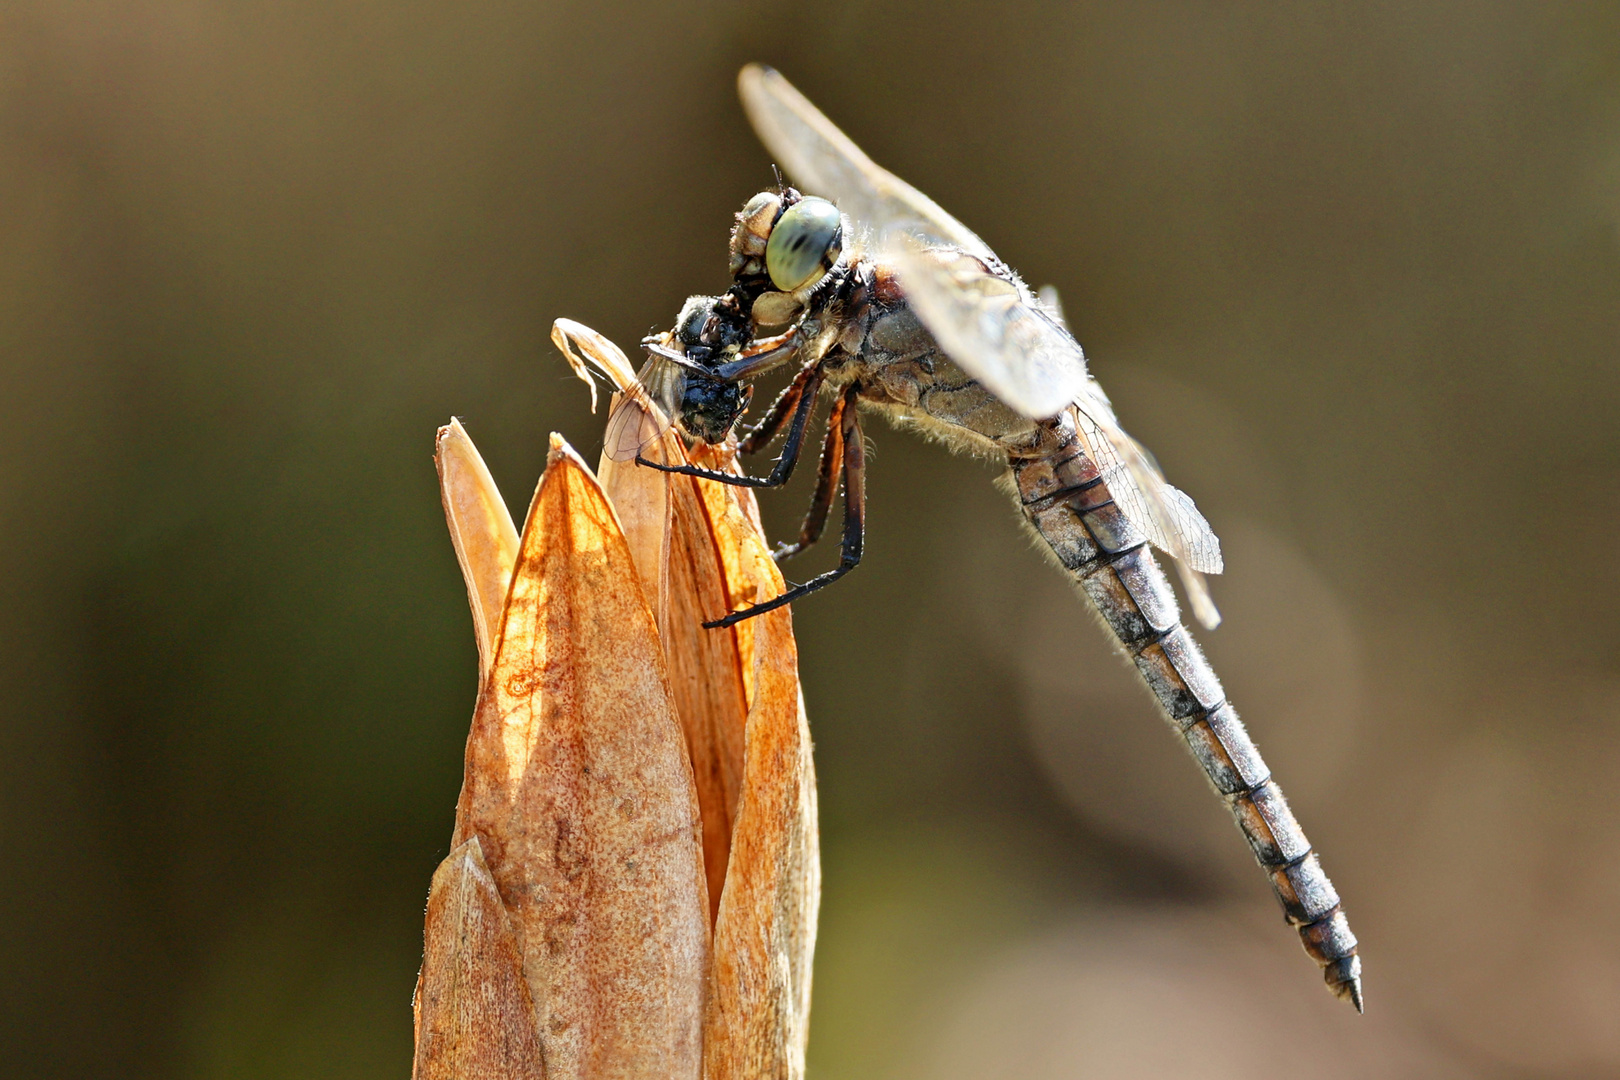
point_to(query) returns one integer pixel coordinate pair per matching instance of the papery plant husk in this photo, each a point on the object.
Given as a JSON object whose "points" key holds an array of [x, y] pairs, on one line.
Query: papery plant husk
{"points": [[634, 874]]}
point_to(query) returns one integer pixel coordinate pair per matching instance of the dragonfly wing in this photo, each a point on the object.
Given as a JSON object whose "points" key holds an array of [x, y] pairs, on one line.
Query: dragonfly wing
{"points": [[985, 321], [824, 161], [982, 316], [1052, 304], [1166, 515], [992, 329]]}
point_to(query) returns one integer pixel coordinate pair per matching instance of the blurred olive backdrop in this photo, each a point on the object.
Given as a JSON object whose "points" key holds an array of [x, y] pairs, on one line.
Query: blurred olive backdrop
{"points": [[1353, 271]]}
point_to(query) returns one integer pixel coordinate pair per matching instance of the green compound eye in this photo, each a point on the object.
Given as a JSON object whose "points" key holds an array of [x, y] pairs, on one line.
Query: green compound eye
{"points": [[804, 245]]}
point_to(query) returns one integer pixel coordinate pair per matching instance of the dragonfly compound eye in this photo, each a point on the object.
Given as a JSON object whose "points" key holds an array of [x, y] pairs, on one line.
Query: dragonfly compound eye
{"points": [[805, 244], [750, 233]]}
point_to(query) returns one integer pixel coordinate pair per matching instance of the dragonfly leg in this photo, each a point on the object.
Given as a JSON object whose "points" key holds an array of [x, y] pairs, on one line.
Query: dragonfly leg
{"points": [[760, 356], [832, 466], [854, 518], [760, 435], [784, 464]]}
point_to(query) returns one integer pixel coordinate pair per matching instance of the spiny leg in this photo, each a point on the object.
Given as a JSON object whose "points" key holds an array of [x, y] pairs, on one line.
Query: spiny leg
{"points": [[854, 518], [760, 356], [832, 465], [759, 436], [784, 464]]}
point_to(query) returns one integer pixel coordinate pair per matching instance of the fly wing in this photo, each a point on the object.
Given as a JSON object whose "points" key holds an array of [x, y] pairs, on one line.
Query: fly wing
{"points": [[1166, 515], [644, 411], [822, 160], [644, 403], [994, 330]]}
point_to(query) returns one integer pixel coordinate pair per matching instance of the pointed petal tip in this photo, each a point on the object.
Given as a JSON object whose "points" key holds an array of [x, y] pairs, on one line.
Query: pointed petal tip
{"points": [[481, 531], [563, 452], [560, 449], [452, 430]]}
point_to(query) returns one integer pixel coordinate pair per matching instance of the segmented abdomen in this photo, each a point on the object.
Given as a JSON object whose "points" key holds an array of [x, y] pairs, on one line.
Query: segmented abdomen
{"points": [[1068, 503]]}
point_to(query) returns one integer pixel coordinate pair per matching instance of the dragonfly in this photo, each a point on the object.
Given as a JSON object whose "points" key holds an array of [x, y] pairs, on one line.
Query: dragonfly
{"points": [[877, 299]]}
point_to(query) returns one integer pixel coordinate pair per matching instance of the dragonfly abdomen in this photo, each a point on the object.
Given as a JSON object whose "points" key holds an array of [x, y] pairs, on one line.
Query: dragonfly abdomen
{"points": [[1066, 499]]}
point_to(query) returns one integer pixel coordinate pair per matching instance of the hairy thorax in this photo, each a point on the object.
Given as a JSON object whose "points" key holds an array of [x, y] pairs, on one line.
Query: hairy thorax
{"points": [[873, 335]]}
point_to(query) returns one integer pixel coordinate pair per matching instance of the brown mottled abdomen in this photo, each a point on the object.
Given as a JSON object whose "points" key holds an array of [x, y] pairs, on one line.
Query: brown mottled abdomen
{"points": [[1065, 499]]}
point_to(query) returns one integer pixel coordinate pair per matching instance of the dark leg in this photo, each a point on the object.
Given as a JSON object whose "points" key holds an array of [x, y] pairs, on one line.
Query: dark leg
{"points": [[760, 435], [854, 519], [832, 467], [784, 464], [761, 356]]}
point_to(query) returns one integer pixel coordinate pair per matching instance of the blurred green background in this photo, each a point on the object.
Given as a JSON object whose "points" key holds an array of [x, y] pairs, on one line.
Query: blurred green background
{"points": [[1353, 272]]}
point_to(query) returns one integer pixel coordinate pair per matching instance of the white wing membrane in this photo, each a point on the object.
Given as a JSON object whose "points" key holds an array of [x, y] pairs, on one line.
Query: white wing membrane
{"points": [[1165, 515], [990, 327], [824, 161], [983, 316]]}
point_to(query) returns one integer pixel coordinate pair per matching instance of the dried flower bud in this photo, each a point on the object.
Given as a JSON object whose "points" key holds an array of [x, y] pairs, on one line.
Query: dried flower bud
{"points": [[636, 786]]}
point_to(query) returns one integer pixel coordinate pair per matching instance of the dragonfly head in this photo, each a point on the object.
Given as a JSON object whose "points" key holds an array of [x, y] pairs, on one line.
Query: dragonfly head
{"points": [[709, 331], [786, 242]]}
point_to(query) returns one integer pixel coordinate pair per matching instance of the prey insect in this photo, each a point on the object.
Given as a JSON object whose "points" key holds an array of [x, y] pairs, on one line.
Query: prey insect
{"points": [[878, 299]]}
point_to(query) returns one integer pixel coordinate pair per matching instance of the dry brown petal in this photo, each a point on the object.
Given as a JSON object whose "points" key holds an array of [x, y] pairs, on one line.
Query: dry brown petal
{"points": [[481, 529], [583, 791], [578, 785], [639, 495], [474, 1017], [705, 674], [584, 349], [759, 1005], [750, 573], [669, 531]]}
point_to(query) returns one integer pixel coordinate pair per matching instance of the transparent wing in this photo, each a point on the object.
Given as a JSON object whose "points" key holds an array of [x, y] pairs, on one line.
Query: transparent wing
{"points": [[822, 160], [644, 404], [644, 411], [983, 317], [993, 329], [1165, 515], [1052, 304]]}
